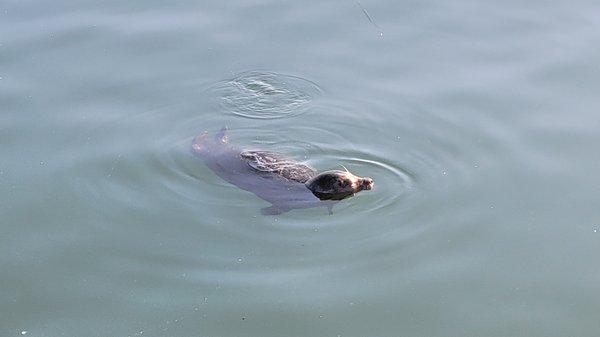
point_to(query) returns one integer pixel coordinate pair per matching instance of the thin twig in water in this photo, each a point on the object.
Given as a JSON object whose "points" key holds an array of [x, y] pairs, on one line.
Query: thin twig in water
{"points": [[370, 19]]}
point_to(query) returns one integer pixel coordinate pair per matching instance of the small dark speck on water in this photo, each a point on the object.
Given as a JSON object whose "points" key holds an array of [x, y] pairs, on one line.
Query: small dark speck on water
{"points": [[370, 19]]}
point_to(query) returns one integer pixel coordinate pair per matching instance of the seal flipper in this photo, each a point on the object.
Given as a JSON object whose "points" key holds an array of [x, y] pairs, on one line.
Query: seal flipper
{"points": [[330, 209], [221, 136], [272, 210], [199, 143]]}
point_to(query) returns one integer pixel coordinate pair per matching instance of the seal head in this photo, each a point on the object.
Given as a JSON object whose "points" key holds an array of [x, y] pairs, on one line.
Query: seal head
{"points": [[337, 185]]}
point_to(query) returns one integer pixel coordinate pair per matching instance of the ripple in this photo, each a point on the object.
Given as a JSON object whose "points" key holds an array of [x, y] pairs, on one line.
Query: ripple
{"points": [[395, 180], [142, 168], [265, 95]]}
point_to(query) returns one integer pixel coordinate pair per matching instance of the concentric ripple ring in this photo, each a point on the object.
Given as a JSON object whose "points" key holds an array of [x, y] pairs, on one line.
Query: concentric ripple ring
{"points": [[264, 95]]}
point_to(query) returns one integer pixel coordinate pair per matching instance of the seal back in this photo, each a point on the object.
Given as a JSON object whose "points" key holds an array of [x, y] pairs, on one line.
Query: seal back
{"points": [[270, 162]]}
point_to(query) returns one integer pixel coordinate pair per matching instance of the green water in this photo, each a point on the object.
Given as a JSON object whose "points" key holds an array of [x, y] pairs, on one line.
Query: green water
{"points": [[477, 120]]}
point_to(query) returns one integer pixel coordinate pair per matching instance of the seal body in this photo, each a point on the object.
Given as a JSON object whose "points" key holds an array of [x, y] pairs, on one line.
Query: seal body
{"points": [[281, 181]]}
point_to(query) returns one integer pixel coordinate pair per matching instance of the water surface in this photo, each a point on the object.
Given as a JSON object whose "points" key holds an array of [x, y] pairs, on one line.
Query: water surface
{"points": [[478, 122]]}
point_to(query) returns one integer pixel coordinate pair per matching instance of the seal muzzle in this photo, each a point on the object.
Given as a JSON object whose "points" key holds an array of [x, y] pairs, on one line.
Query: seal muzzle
{"points": [[366, 183]]}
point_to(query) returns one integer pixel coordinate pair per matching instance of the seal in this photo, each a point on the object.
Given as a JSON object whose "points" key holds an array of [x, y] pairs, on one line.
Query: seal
{"points": [[273, 177]]}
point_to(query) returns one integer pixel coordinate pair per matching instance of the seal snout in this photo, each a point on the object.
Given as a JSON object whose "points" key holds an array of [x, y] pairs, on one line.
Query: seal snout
{"points": [[366, 183]]}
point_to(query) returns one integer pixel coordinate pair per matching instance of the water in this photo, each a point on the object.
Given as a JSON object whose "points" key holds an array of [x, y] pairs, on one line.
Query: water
{"points": [[478, 122]]}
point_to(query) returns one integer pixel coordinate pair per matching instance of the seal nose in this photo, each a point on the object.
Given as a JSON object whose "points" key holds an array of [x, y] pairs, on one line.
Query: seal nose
{"points": [[367, 183]]}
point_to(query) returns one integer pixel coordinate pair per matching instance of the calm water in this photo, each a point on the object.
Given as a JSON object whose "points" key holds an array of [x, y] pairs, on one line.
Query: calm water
{"points": [[478, 121]]}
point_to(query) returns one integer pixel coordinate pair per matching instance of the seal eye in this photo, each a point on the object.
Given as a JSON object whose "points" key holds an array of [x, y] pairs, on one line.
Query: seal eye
{"points": [[343, 183]]}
